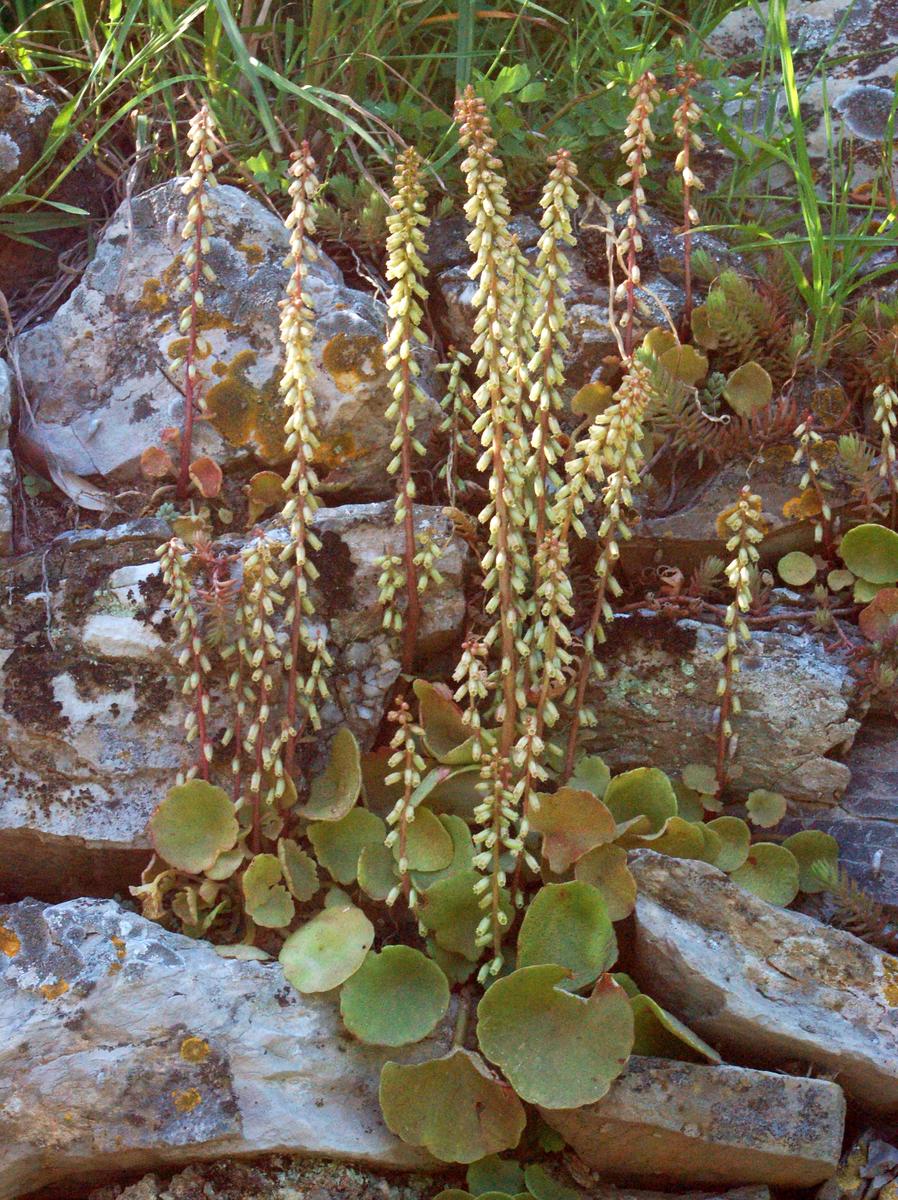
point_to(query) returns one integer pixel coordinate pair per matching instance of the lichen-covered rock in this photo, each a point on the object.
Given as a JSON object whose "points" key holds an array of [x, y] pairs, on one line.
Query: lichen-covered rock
{"points": [[657, 706], [91, 719], [7, 464], [97, 372], [764, 984], [129, 1047], [669, 1122], [26, 118]]}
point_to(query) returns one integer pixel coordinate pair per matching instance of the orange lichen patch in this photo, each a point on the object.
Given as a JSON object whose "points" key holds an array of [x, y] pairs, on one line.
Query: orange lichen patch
{"points": [[334, 452], [120, 952], [178, 347], [890, 982], [801, 508], [353, 360], [194, 1050], [9, 942], [245, 414], [171, 276], [187, 1101], [780, 455], [252, 252], [52, 991], [153, 299]]}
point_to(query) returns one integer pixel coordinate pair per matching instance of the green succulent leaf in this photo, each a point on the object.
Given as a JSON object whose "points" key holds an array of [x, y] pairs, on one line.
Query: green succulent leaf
{"points": [[455, 967], [735, 838], [770, 871], [327, 950], [396, 997], [458, 793], [838, 580], [429, 845], [871, 552], [572, 821], [765, 809], [812, 846], [567, 924], [266, 899], [660, 1035], [334, 792], [605, 868], [879, 619], [676, 838], [300, 871], [462, 853], [644, 791], [591, 774], [447, 736], [700, 777], [451, 911], [226, 864], [543, 1186], [495, 1174], [377, 871], [338, 844], [627, 982], [796, 568], [193, 825], [690, 803], [454, 1106], [555, 1048], [748, 389]]}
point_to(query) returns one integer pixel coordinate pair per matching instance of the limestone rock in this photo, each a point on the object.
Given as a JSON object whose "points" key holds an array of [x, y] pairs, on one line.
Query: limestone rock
{"points": [[801, 705], [97, 372], [91, 721], [26, 118], [681, 1122], [765, 984], [131, 1048]]}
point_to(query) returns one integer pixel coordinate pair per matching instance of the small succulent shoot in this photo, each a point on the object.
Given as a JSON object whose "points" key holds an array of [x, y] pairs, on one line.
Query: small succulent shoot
{"points": [[193, 659], [637, 149], [301, 429], [200, 144], [458, 417], [686, 117], [405, 268], [406, 765], [745, 528], [613, 454], [885, 415], [807, 456]]}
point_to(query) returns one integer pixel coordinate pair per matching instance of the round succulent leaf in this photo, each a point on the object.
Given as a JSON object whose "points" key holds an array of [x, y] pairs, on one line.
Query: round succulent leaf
{"points": [[265, 490], [334, 792], [838, 580], [446, 732], [770, 871], [300, 870], [627, 982], [748, 389], [458, 793], [226, 864], [451, 911], [796, 568], [335, 897], [543, 1186], [700, 777], [659, 340], [206, 476], [462, 853], [864, 591], [380, 797], [658, 1034], [193, 825], [712, 843], [676, 838], [701, 329], [429, 845], [644, 791], [327, 950], [455, 967], [685, 363], [377, 872], [453, 1194], [765, 809], [243, 953], [495, 1174], [338, 844], [266, 899], [812, 846], [454, 1106], [572, 821], [567, 924], [555, 1048], [605, 868], [880, 618], [396, 997], [690, 803], [592, 399], [871, 552], [591, 774], [735, 841]]}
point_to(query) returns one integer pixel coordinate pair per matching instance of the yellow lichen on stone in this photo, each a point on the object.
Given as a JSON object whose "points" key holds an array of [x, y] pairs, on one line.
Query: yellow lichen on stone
{"points": [[334, 452], [52, 991], [153, 299], [9, 942], [187, 1101], [890, 982], [353, 360], [120, 952], [252, 252], [194, 1050], [245, 414]]}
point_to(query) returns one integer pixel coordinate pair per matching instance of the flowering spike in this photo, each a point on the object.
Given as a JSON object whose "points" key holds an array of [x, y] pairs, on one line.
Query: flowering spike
{"points": [[637, 148]]}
